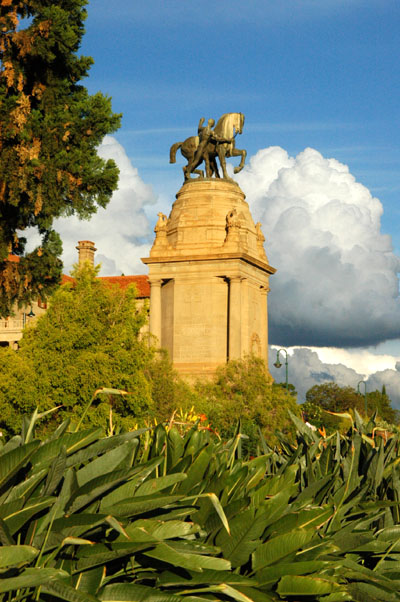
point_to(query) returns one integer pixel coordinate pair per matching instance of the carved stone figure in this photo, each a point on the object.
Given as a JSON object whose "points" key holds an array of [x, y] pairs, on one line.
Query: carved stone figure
{"points": [[260, 241], [233, 226], [232, 220], [161, 223], [210, 144]]}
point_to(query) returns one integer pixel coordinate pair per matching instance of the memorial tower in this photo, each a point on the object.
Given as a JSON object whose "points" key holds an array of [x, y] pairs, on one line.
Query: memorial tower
{"points": [[208, 270]]}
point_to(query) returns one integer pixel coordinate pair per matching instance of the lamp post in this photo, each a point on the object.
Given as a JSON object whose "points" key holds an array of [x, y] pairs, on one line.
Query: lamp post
{"points": [[30, 315], [365, 394], [279, 365]]}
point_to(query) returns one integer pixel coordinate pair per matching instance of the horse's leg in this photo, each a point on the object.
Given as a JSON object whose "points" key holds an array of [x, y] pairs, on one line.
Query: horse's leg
{"points": [[221, 157], [236, 152]]}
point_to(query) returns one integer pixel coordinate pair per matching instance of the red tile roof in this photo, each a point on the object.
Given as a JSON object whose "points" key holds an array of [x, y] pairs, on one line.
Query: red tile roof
{"points": [[141, 282], [65, 279]]}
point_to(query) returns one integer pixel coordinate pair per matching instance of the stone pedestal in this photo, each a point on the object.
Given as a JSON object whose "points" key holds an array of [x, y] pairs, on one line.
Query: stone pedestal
{"points": [[209, 278]]}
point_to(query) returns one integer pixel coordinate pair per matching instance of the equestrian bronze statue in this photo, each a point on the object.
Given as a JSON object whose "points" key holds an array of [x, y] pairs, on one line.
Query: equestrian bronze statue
{"points": [[210, 143]]}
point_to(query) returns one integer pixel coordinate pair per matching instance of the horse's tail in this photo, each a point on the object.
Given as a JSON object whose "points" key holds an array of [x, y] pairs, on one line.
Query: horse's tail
{"points": [[173, 150]]}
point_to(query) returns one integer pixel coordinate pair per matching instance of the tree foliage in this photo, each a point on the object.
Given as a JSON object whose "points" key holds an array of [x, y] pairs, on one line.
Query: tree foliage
{"points": [[243, 389], [333, 398], [89, 338], [50, 128]]}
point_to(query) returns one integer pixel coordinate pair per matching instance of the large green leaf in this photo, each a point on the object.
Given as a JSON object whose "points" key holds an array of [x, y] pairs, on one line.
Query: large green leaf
{"points": [[100, 555], [158, 484], [196, 473], [208, 576], [16, 555], [306, 518], [95, 488], [279, 547], [246, 529], [30, 577], [62, 590], [156, 530], [25, 487], [72, 443], [132, 592], [140, 505], [195, 562], [89, 581], [117, 458], [17, 518], [272, 574], [292, 585], [13, 460], [127, 489], [101, 446]]}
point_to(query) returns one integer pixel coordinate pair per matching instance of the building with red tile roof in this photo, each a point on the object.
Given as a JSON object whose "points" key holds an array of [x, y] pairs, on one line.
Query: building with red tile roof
{"points": [[11, 328]]}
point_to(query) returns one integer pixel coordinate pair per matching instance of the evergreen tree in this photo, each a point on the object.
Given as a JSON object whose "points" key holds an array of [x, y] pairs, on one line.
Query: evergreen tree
{"points": [[50, 128]]}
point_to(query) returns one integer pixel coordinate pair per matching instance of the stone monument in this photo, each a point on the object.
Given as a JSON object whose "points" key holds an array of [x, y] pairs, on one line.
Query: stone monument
{"points": [[208, 270]]}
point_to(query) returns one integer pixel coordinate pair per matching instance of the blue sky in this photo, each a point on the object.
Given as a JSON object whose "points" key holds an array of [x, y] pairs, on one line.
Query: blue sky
{"points": [[319, 74]]}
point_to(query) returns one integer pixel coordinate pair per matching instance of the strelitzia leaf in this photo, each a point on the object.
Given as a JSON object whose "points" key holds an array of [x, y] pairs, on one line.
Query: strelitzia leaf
{"points": [[132, 592], [293, 585], [279, 547], [194, 562], [13, 460], [153, 485], [62, 590], [106, 463], [16, 555], [31, 577], [16, 519], [141, 504]]}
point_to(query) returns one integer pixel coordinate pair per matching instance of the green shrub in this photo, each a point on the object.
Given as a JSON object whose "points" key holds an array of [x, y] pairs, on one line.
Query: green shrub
{"points": [[243, 390]]}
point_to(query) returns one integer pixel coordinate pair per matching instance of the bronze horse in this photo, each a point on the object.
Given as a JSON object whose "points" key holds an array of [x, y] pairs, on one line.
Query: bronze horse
{"points": [[227, 127]]}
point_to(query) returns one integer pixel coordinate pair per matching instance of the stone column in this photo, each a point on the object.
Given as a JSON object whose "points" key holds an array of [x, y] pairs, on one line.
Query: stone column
{"points": [[235, 318], [155, 309], [264, 321]]}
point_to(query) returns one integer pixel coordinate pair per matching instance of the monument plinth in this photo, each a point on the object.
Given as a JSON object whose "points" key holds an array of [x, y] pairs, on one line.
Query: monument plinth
{"points": [[209, 278]]}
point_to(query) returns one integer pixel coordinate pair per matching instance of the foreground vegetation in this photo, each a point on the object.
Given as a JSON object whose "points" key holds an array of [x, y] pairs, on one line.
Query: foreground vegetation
{"points": [[91, 336], [168, 515]]}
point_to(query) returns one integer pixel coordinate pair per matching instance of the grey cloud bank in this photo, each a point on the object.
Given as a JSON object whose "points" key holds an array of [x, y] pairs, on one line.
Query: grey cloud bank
{"points": [[307, 370]]}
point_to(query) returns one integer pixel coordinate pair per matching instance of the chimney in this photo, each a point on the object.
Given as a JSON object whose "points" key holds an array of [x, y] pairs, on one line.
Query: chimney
{"points": [[86, 251]]}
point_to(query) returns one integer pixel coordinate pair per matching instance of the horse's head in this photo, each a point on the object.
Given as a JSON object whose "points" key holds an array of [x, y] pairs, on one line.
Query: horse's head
{"points": [[238, 122], [230, 123]]}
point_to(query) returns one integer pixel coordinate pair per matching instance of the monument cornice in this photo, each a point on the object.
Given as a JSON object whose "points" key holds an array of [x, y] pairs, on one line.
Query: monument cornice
{"points": [[262, 265]]}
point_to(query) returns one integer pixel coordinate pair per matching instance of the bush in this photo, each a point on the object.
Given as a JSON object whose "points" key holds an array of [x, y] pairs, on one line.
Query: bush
{"points": [[243, 390]]}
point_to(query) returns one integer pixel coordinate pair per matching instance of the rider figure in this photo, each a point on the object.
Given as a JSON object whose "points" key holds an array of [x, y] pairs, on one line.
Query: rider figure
{"points": [[206, 135]]}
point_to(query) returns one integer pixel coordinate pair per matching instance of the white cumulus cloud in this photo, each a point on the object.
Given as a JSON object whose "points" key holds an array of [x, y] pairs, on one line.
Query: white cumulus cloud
{"points": [[121, 232], [336, 283]]}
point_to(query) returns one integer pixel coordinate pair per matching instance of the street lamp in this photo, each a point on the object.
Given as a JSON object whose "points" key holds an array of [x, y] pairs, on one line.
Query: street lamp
{"points": [[279, 365], [365, 394], [30, 315]]}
